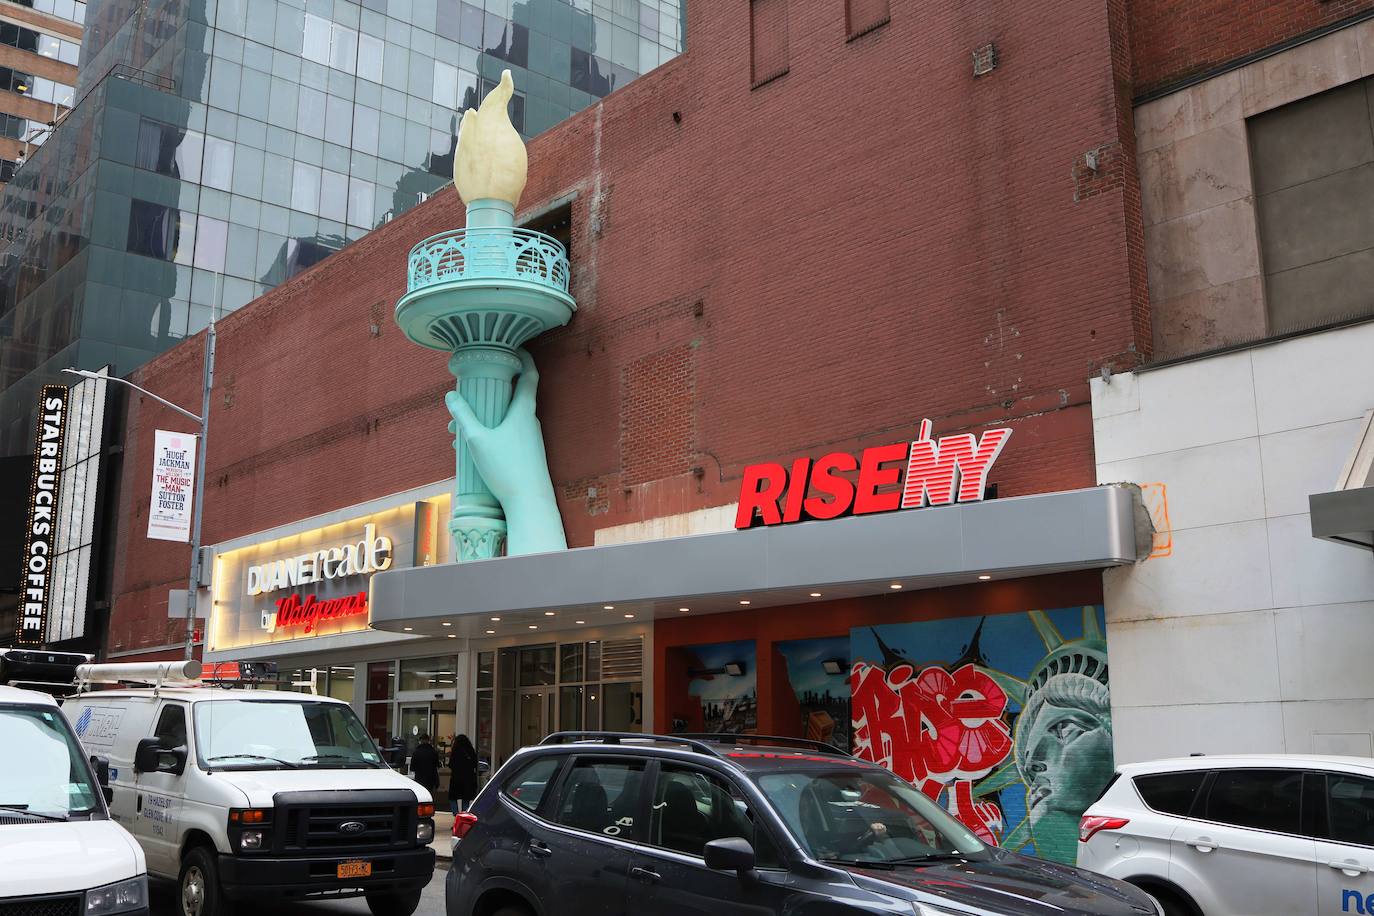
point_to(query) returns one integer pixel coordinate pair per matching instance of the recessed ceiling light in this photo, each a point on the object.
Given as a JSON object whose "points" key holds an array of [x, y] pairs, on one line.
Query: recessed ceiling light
{"points": [[579, 621], [815, 594], [491, 632], [447, 624], [608, 607], [534, 626], [407, 629], [895, 585], [744, 601], [453, 636], [549, 613], [985, 577], [629, 616], [684, 609], [496, 620]]}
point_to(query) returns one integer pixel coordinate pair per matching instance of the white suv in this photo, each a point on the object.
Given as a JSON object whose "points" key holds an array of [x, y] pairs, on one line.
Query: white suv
{"points": [[1250, 835]]}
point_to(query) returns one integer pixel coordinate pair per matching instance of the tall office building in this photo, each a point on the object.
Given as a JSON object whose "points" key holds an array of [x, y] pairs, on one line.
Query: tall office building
{"points": [[40, 42], [222, 146]]}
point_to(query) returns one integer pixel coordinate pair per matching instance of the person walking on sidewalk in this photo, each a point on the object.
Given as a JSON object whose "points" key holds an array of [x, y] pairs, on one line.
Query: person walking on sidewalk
{"points": [[462, 780], [424, 764]]}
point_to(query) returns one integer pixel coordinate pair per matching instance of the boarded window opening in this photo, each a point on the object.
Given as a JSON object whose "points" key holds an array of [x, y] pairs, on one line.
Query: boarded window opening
{"points": [[767, 40]]}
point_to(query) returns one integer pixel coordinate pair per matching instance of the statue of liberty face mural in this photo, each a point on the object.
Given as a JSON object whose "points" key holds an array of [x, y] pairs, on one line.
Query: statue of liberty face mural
{"points": [[1063, 737], [1014, 741]]}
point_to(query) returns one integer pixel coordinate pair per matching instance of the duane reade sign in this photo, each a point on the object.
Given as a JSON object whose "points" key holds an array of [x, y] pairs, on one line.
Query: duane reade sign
{"points": [[311, 579], [371, 554]]}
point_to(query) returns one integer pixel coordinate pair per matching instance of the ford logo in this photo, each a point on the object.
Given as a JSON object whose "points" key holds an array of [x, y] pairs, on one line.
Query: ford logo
{"points": [[351, 827]]}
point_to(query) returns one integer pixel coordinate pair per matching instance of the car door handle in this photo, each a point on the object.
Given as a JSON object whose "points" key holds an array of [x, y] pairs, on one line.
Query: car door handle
{"points": [[1350, 867], [645, 875], [1203, 844], [539, 849]]}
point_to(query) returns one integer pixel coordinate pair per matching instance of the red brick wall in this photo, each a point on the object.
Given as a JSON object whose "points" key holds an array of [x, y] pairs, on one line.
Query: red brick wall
{"points": [[1175, 39], [813, 265]]}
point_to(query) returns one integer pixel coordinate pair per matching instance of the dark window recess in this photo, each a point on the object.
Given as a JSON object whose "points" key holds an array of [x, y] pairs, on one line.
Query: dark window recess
{"points": [[303, 254], [506, 40], [767, 40], [556, 223], [13, 126], [15, 81], [7, 167], [1170, 793], [153, 230], [1350, 807], [863, 16], [596, 75], [1313, 169], [1260, 799], [529, 786], [602, 797]]}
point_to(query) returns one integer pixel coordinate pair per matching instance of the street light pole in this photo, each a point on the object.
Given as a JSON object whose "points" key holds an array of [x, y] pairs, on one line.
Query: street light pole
{"points": [[203, 421]]}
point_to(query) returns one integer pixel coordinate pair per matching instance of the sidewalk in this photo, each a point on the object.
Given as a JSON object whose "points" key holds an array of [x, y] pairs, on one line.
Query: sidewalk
{"points": [[443, 833]]}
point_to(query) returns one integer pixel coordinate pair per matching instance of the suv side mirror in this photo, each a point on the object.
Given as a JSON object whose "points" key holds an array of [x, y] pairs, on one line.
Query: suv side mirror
{"points": [[151, 757], [730, 854], [101, 765]]}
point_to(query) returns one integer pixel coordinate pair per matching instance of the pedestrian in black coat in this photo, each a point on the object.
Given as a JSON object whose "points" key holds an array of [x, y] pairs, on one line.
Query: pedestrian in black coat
{"points": [[424, 763], [462, 781]]}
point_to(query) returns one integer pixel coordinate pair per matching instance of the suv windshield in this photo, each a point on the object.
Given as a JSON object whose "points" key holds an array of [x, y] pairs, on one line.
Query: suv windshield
{"points": [[42, 771], [864, 816], [272, 734]]}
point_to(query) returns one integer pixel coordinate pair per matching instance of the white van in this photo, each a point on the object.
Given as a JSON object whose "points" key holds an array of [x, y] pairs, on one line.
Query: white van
{"points": [[59, 850], [250, 794]]}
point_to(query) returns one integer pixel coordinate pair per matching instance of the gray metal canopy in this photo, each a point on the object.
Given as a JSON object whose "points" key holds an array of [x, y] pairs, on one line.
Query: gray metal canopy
{"points": [[789, 564]]}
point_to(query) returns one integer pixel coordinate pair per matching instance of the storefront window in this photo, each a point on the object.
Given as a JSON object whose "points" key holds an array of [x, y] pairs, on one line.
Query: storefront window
{"points": [[379, 723], [570, 708], [570, 662], [428, 673], [484, 725], [341, 680], [623, 706], [486, 670], [379, 681], [536, 666]]}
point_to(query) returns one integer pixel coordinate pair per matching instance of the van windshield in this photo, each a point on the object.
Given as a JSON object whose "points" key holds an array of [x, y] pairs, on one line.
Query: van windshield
{"points": [[42, 771], [272, 734]]}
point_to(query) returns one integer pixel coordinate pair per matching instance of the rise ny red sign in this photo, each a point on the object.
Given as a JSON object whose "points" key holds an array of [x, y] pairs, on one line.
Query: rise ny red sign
{"points": [[904, 475]]}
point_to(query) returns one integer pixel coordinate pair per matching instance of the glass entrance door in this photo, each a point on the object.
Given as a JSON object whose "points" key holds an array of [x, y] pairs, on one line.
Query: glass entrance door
{"points": [[414, 723], [536, 715]]}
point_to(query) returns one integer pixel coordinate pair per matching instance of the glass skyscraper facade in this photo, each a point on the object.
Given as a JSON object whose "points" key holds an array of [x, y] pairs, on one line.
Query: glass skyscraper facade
{"points": [[219, 147]]}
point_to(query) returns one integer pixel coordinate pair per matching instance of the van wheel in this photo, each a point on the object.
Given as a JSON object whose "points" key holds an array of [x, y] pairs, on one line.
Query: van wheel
{"points": [[198, 892], [402, 904]]}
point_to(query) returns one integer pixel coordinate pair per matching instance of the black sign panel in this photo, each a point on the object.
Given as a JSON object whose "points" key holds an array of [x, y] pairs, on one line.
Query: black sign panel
{"points": [[40, 536]]}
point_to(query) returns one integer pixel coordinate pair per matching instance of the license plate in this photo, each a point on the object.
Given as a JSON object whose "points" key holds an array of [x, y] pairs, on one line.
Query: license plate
{"points": [[355, 869]]}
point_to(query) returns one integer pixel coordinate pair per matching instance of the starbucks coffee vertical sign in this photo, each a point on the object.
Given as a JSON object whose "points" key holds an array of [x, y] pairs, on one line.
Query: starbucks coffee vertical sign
{"points": [[40, 535], [174, 462]]}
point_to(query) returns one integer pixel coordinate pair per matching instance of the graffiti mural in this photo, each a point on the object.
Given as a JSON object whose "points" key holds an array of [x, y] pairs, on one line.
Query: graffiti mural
{"points": [[817, 671], [1005, 719], [724, 681]]}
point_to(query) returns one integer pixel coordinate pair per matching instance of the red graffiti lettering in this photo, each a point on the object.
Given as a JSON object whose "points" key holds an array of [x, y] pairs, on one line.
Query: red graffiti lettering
{"points": [[936, 729]]}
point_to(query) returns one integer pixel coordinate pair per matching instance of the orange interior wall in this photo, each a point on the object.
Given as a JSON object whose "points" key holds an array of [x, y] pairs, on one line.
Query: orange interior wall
{"points": [[778, 710]]}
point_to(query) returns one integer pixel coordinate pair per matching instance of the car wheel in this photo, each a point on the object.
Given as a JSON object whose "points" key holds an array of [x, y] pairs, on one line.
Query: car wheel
{"points": [[198, 891], [511, 911], [1174, 904], [402, 904]]}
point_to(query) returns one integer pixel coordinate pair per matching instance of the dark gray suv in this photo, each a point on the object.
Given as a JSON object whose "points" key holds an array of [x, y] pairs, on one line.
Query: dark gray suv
{"points": [[600, 824]]}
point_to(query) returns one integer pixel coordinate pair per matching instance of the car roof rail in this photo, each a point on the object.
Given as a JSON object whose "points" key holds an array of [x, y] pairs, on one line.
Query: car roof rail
{"points": [[769, 740], [574, 737]]}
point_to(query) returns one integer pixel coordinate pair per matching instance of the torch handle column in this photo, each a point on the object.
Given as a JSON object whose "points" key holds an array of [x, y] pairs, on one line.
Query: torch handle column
{"points": [[484, 377]]}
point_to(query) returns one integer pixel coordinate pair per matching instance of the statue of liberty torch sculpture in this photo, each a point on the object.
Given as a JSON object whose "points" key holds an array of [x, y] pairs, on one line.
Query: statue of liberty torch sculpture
{"points": [[479, 293]]}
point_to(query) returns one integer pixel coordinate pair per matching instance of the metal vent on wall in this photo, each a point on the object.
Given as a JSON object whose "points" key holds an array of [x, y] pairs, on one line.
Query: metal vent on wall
{"points": [[622, 659]]}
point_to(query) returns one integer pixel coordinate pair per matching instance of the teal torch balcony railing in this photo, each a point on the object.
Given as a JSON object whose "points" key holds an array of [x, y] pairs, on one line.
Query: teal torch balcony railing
{"points": [[489, 253]]}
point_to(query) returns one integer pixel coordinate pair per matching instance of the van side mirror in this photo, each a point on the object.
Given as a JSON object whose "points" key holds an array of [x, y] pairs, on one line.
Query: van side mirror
{"points": [[151, 757], [101, 765], [730, 854]]}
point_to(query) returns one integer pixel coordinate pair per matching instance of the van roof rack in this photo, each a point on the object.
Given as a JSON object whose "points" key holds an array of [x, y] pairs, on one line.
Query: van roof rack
{"points": [[700, 747], [46, 671], [820, 747]]}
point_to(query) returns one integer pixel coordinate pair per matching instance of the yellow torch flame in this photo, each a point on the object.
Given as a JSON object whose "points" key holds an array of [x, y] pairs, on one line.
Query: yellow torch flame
{"points": [[490, 161]]}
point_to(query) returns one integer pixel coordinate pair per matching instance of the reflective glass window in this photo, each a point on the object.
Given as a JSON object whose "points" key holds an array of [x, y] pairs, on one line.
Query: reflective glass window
{"points": [[333, 195], [360, 203], [445, 85], [305, 188], [371, 51], [316, 45], [343, 49], [217, 163], [212, 236]]}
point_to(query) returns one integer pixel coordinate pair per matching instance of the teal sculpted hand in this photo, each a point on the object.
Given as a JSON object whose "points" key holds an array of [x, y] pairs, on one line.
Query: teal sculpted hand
{"points": [[511, 459]]}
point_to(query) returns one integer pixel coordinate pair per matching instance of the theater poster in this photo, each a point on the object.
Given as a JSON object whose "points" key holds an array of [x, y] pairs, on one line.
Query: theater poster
{"points": [[1004, 719]]}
